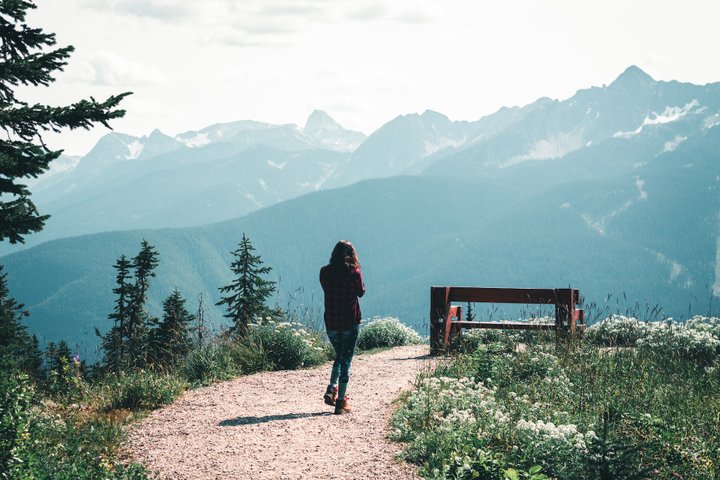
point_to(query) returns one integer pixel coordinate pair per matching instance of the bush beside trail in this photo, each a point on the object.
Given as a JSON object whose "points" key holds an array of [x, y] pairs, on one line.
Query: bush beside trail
{"points": [[386, 333], [572, 411]]}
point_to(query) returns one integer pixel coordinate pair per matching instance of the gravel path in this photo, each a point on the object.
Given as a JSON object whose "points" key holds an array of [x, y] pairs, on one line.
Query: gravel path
{"points": [[275, 425]]}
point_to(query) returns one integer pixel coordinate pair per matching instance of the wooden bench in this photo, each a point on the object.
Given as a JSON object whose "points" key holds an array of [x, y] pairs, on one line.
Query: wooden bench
{"points": [[446, 319]]}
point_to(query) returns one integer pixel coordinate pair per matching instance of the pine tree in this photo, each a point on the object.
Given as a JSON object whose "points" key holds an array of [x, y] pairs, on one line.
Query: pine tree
{"points": [[59, 368], [126, 345], [200, 318], [114, 342], [138, 319], [28, 58], [470, 314], [18, 350], [171, 338], [249, 291]]}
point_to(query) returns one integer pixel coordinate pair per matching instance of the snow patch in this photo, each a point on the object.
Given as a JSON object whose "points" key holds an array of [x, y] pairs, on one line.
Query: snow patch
{"points": [[134, 150], [556, 146], [671, 114], [263, 185], [639, 184], [671, 145], [329, 171], [600, 225], [565, 205], [199, 140], [439, 144], [251, 197], [676, 270], [595, 225], [712, 121], [279, 166]]}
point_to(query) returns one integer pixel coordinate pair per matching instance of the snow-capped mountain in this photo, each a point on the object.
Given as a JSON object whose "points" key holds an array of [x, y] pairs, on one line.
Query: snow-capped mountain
{"points": [[633, 106], [327, 133], [229, 169], [614, 190]]}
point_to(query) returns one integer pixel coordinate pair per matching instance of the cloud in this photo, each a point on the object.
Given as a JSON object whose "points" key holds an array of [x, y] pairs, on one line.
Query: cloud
{"points": [[106, 68], [413, 12], [167, 10], [419, 13]]}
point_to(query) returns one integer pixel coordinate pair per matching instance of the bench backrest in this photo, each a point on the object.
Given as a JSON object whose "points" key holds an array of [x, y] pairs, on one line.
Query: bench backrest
{"points": [[441, 312]]}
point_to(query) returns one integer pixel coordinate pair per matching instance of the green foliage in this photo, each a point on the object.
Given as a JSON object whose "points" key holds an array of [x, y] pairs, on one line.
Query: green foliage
{"points": [[287, 345], [18, 351], [16, 396], [140, 390], [566, 412], [29, 59], [385, 333], [71, 445], [210, 363], [65, 373], [698, 339], [247, 295], [170, 340], [128, 343]]}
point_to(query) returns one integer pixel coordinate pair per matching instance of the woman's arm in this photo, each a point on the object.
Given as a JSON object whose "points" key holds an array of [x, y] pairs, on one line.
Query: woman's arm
{"points": [[359, 285]]}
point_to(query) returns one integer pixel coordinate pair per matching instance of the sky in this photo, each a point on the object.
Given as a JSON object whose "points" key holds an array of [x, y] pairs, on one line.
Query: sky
{"points": [[191, 64]]}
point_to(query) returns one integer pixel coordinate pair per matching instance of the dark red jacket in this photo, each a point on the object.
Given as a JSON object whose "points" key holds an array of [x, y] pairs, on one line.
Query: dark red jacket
{"points": [[342, 288]]}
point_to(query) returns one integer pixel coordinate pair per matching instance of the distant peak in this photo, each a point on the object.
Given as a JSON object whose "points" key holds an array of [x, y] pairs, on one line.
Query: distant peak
{"points": [[157, 133], [319, 120], [433, 114], [633, 75]]}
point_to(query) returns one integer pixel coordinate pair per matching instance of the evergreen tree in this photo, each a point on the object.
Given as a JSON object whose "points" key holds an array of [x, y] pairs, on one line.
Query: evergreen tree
{"points": [[114, 342], [138, 319], [28, 58], [18, 350], [126, 345], [171, 338], [249, 291], [59, 368], [469, 314], [200, 318]]}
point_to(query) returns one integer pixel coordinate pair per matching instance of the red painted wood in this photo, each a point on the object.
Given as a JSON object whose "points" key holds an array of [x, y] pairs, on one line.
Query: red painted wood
{"points": [[508, 325], [442, 328]]}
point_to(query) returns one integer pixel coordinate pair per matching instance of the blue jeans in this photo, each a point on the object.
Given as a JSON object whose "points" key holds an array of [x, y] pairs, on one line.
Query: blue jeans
{"points": [[344, 344]]}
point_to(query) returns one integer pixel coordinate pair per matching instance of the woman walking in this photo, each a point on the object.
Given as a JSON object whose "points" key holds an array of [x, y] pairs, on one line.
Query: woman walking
{"points": [[342, 284]]}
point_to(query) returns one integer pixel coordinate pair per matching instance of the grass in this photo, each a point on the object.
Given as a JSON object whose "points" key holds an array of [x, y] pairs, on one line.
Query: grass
{"points": [[647, 409], [77, 432]]}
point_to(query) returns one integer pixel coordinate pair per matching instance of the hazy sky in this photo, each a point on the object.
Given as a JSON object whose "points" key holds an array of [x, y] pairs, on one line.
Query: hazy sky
{"points": [[194, 63]]}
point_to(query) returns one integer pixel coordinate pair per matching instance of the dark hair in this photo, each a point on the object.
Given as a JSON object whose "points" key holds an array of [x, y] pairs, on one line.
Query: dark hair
{"points": [[344, 256]]}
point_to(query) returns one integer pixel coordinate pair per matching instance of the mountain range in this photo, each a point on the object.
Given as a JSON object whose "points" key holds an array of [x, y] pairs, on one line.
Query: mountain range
{"points": [[613, 191]]}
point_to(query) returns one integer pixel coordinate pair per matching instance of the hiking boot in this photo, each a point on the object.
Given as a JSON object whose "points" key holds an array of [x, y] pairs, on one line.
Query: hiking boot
{"points": [[343, 406], [330, 396]]}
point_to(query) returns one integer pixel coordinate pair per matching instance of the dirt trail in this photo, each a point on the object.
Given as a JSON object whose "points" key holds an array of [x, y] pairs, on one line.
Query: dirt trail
{"points": [[275, 425]]}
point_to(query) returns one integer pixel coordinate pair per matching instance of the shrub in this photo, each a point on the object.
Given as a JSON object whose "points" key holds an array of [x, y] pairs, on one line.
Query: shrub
{"points": [[210, 363], [16, 396], [472, 340], [616, 331], [672, 339], [142, 390], [285, 345], [74, 445], [572, 412], [386, 332]]}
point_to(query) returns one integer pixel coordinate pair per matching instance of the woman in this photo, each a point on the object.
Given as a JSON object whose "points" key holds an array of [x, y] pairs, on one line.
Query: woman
{"points": [[342, 284]]}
